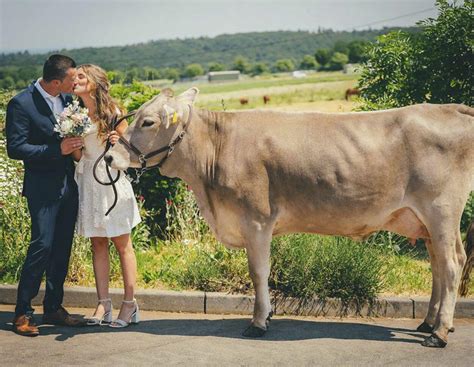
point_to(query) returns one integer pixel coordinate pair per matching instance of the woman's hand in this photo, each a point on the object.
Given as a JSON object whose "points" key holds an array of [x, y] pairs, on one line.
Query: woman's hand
{"points": [[114, 137]]}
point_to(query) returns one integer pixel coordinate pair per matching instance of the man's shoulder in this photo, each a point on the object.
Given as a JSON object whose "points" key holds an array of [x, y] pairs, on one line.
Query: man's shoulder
{"points": [[25, 96]]}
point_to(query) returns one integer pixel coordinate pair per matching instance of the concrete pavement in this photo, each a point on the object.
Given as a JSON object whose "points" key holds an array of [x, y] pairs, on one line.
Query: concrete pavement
{"points": [[170, 339]]}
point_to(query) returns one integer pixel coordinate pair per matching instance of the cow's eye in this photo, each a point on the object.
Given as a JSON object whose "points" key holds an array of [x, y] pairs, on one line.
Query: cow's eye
{"points": [[147, 123]]}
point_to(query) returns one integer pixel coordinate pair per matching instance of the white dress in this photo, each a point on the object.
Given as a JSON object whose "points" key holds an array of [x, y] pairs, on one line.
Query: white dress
{"points": [[95, 199]]}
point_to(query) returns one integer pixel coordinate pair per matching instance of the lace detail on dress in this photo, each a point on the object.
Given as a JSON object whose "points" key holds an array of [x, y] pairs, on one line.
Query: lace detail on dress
{"points": [[95, 199]]}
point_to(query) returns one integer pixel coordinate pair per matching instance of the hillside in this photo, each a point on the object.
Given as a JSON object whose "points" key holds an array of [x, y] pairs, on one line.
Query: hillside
{"points": [[261, 46]]}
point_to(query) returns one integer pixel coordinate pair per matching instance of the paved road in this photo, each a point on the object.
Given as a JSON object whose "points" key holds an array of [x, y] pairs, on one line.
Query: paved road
{"points": [[196, 339]]}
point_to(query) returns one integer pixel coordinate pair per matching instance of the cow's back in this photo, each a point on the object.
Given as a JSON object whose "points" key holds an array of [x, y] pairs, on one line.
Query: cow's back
{"points": [[304, 170]]}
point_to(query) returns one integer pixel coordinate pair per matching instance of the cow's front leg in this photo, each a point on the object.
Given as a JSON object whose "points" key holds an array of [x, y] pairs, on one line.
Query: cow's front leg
{"points": [[258, 254]]}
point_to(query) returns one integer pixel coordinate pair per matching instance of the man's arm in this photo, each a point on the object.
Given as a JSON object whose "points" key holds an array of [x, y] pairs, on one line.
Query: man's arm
{"points": [[17, 129]]}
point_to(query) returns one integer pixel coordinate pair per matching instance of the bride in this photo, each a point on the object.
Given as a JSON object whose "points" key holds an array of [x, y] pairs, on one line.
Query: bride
{"points": [[92, 88]]}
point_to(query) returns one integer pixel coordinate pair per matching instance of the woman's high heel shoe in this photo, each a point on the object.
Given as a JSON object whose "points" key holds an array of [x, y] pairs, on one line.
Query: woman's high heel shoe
{"points": [[134, 318], [106, 317]]}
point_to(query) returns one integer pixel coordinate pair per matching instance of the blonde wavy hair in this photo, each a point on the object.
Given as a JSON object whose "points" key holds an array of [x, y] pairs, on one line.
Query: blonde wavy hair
{"points": [[106, 106]]}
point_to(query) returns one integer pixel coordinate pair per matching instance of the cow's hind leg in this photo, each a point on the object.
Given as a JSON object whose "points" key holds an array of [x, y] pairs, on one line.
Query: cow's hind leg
{"points": [[445, 239], [258, 254]]}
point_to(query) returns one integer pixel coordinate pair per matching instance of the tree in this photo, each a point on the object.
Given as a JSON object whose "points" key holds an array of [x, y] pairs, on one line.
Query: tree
{"points": [[193, 70], [342, 47], [260, 68], [338, 60], [284, 65], [215, 66], [170, 73], [116, 76], [131, 75], [435, 65], [309, 63], [7, 83], [323, 56], [241, 63], [20, 84], [357, 51]]}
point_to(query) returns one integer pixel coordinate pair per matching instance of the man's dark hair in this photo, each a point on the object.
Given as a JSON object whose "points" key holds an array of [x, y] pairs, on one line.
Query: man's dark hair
{"points": [[56, 67]]}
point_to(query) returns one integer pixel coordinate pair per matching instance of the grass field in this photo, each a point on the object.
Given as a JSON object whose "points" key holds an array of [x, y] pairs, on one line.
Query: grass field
{"points": [[317, 92]]}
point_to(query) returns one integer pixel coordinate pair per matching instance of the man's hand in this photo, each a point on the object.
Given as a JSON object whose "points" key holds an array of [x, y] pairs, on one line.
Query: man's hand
{"points": [[69, 145]]}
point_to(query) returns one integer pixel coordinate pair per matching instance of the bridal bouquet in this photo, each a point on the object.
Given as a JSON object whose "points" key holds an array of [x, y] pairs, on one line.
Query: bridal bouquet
{"points": [[73, 121]]}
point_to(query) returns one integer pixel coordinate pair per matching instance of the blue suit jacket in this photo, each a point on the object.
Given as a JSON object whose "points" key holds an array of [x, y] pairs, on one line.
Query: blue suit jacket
{"points": [[31, 138]]}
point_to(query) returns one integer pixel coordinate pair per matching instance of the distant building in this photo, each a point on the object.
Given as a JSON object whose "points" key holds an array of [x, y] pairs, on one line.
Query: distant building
{"points": [[350, 68], [223, 76], [298, 74]]}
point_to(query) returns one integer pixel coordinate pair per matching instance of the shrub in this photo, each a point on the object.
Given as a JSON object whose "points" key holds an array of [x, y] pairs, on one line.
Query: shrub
{"points": [[305, 266], [134, 95]]}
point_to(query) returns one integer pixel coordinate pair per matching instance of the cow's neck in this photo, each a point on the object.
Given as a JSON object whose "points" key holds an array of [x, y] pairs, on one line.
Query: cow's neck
{"points": [[196, 155]]}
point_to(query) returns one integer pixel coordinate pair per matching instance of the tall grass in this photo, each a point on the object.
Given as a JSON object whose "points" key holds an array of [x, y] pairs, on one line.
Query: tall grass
{"points": [[305, 266]]}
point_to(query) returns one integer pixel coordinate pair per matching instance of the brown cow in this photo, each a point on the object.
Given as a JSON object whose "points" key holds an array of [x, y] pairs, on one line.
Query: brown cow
{"points": [[244, 101], [352, 92], [407, 170], [266, 99]]}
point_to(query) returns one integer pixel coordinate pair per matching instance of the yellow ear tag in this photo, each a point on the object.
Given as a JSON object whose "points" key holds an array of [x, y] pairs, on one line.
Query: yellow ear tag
{"points": [[175, 118]]}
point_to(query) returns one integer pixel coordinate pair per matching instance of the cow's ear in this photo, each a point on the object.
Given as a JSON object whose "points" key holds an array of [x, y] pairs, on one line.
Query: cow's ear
{"points": [[189, 96], [169, 116]]}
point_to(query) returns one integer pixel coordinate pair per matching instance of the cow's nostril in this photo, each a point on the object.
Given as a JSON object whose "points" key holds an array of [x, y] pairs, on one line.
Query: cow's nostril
{"points": [[108, 159]]}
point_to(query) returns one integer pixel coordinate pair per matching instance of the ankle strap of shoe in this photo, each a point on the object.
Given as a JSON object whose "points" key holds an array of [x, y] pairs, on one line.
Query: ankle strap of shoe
{"points": [[133, 301], [105, 300]]}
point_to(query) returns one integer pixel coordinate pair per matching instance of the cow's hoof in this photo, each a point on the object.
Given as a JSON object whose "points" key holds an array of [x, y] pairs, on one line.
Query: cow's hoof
{"points": [[434, 341], [424, 327], [254, 332]]}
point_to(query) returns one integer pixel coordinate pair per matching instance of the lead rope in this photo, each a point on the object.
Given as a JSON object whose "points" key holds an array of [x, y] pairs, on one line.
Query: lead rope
{"points": [[112, 181]]}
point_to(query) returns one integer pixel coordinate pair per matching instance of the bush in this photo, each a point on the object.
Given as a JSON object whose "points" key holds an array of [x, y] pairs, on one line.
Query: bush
{"points": [[133, 96], [305, 266]]}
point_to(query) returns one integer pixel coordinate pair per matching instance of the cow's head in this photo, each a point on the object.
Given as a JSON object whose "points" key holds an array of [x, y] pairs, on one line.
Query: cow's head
{"points": [[153, 127]]}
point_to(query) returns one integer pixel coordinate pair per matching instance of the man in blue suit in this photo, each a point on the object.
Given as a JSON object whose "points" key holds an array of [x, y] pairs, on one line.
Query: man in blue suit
{"points": [[50, 190]]}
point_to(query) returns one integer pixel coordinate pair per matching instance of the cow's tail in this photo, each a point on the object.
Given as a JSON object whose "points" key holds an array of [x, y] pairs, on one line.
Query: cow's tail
{"points": [[466, 272]]}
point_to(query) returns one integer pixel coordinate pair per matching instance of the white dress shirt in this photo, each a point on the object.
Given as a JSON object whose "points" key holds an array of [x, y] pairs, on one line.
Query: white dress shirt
{"points": [[55, 103]]}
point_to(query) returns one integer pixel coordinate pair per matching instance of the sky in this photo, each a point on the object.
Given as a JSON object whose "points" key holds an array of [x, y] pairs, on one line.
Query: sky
{"points": [[45, 25]]}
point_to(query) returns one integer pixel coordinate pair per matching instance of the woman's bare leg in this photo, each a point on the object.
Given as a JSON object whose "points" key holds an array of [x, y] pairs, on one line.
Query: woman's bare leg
{"points": [[128, 262], [100, 260]]}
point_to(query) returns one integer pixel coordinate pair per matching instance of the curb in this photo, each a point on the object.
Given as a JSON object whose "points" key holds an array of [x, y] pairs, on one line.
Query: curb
{"points": [[222, 303]]}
